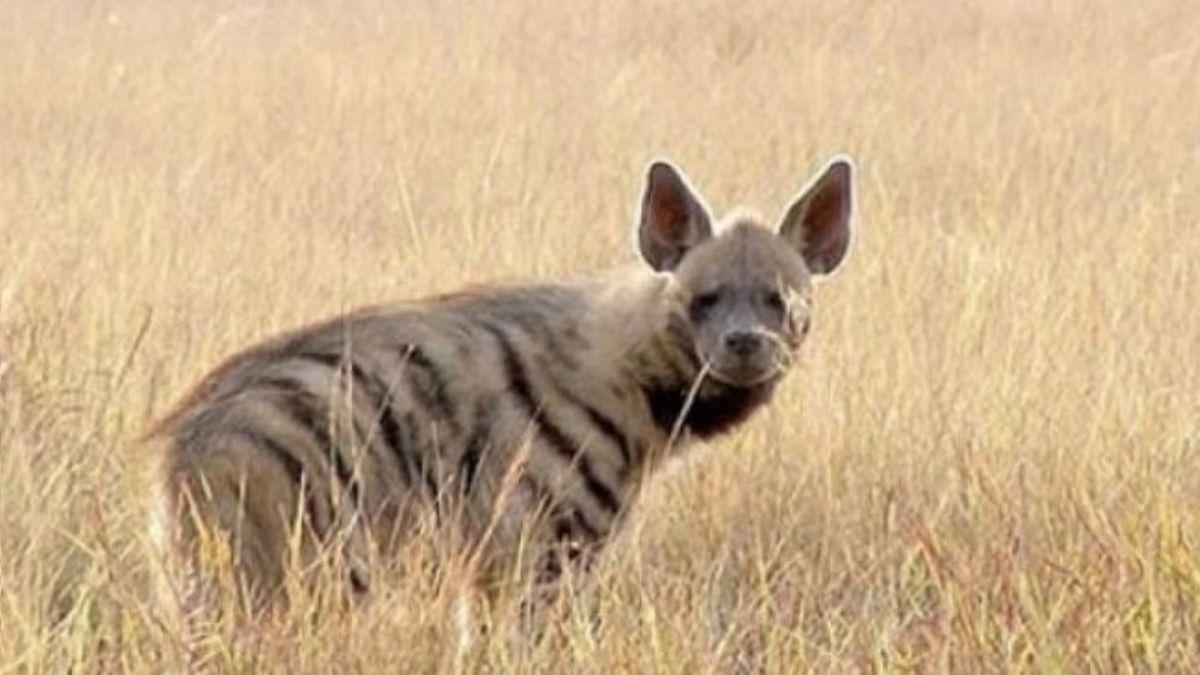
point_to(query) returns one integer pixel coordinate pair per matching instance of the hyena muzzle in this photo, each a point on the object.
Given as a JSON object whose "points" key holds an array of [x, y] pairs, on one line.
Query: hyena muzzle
{"points": [[531, 413]]}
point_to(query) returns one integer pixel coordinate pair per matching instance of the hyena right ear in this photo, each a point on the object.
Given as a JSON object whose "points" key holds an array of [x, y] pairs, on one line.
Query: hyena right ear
{"points": [[672, 220], [817, 224]]}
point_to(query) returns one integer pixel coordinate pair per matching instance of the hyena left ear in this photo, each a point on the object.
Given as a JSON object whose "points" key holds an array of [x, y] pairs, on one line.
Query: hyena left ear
{"points": [[672, 219], [817, 224]]}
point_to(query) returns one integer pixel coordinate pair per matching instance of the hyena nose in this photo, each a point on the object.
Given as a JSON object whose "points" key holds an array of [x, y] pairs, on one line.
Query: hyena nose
{"points": [[743, 343]]}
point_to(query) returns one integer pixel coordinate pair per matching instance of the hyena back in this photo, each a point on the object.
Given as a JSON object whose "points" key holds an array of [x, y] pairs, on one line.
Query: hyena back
{"points": [[497, 408]]}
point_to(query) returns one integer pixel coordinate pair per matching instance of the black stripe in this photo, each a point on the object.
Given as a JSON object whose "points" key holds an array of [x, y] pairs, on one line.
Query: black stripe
{"points": [[416, 461], [518, 380], [469, 466], [390, 429], [582, 523], [566, 521], [380, 399], [405, 447], [550, 568], [358, 583], [541, 494], [307, 411], [519, 385], [339, 362], [434, 396], [575, 539], [393, 435], [563, 530], [566, 526], [536, 326], [555, 349], [601, 421], [295, 471], [572, 333], [294, 467], [473, 450]]}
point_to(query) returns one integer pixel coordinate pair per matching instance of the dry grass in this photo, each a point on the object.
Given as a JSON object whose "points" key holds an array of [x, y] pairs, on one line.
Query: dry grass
{"points": [[989, 461]]}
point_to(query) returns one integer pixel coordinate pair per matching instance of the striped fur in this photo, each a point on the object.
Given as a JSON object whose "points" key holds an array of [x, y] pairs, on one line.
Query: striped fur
{"points": [[532, 411]]}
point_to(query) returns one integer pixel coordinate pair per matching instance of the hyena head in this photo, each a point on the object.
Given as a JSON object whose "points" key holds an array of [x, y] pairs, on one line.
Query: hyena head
{"points": [[742, 293]]}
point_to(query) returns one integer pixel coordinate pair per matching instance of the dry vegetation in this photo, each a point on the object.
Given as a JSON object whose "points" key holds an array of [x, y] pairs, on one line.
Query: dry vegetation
{"points": [[989, 461]]}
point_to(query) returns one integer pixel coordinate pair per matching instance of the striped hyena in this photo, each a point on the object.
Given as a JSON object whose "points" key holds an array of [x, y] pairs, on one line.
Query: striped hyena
{"points": [[530, 413]]}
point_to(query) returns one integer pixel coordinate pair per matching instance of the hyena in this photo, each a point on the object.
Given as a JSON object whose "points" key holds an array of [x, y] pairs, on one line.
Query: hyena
{"points": [[531, 413]]}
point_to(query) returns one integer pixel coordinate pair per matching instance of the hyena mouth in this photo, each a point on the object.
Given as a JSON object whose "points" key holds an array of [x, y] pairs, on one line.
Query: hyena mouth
{"points": [[767, 366], [741, 375]]}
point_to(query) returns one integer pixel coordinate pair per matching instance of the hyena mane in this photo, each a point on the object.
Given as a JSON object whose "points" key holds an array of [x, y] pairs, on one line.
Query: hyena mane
{"points": [[500, 413]]}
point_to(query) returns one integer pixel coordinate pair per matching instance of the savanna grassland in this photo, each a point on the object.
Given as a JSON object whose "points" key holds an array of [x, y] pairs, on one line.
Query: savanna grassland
{"points": [[989, 459]]}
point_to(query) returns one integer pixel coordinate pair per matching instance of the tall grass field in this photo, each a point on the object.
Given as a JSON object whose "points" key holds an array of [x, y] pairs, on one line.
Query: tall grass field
{"points": [[988, 459]]}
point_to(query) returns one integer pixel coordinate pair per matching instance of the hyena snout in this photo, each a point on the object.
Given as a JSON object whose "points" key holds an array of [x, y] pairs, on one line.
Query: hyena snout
{"points": [[744, 344], [748, 356]]}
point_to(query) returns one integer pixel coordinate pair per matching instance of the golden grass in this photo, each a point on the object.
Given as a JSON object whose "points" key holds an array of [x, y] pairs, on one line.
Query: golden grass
{"points": [[989, 461]]}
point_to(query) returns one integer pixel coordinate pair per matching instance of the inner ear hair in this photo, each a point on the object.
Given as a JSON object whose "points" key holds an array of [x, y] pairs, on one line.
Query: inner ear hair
{"points": [[672, 219], [817, 224]]}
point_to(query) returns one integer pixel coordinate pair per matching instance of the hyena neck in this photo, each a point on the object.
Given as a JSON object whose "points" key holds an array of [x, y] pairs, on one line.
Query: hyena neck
{"points": [[658, 366]]}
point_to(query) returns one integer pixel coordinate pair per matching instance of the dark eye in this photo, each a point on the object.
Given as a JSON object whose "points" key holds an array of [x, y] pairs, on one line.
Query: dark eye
{"points": [[774, 300], [702, 303]]}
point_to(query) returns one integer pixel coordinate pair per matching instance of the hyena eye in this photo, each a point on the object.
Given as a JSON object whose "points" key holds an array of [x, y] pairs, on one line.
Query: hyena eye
{"points": [[775, 301], [701, 304]]}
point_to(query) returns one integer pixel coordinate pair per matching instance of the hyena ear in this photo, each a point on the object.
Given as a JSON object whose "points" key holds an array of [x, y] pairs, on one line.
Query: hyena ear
{"points": [[672, 219], [817, 224]]}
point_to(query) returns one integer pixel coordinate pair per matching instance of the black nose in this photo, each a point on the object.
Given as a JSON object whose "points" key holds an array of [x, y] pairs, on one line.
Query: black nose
{"points": [[743, 343]]}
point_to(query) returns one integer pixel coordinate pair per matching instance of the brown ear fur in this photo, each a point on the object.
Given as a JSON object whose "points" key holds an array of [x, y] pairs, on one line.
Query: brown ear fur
{"points": [[672, 219], [817, 224]]}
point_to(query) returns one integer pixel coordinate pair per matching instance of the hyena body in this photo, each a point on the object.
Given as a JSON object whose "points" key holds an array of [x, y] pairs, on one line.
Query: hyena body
{"points": [[519, 415]]}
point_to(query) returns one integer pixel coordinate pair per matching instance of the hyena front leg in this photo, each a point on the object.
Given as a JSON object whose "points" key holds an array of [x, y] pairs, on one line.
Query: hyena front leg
{"points": [[558, 590], [554, 561]]}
